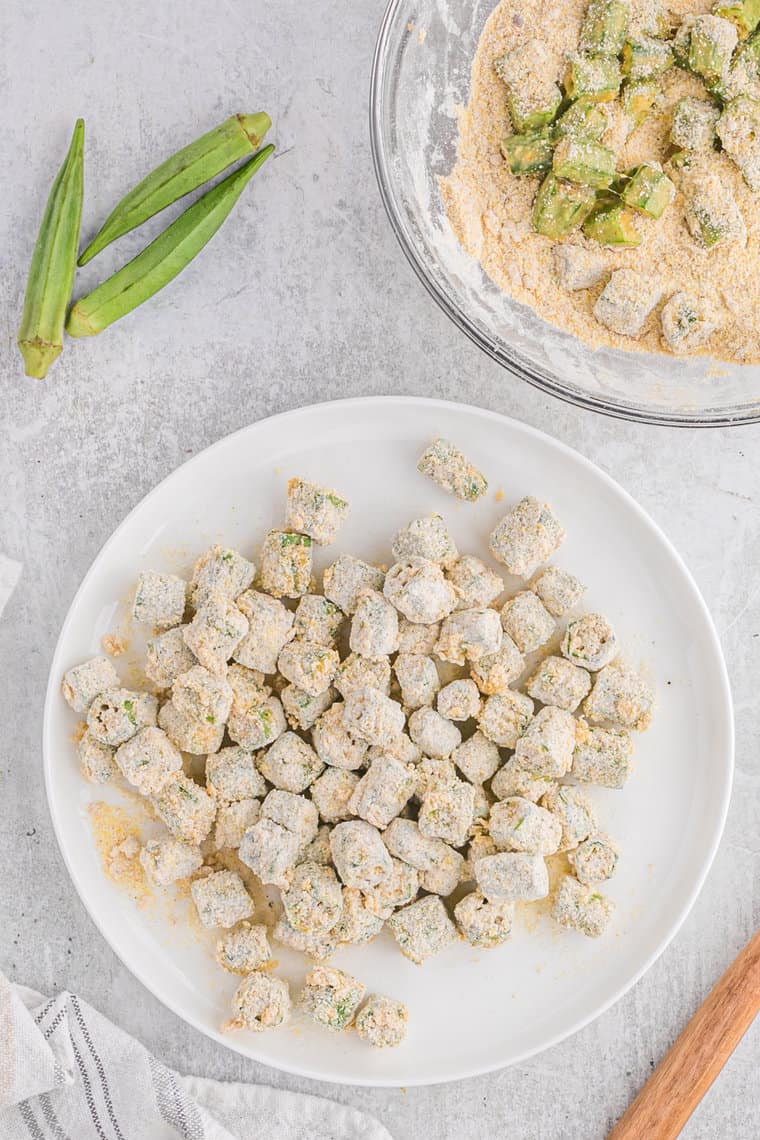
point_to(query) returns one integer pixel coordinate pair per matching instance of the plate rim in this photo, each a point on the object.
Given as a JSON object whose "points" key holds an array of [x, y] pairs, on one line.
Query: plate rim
{"points": [[724, 707]]}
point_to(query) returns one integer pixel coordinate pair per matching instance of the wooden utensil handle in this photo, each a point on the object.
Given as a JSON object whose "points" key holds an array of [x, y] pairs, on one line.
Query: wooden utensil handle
{"points": [[683, 1077]]}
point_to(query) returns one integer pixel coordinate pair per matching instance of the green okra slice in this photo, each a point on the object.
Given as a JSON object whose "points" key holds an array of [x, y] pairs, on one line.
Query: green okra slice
{"points": [[585, 161], [681, 42], [743, 14], [738, 129], [711, 46], [710, 208], [166, 257], [613, 224], [561, 207], [604, 27], [743, 75], [649, 190], [528, 154], [533, 96], [595, 77], [693, 126], [637, 98], [184, 172], [646, 57], [584, 118], [54, 260]]}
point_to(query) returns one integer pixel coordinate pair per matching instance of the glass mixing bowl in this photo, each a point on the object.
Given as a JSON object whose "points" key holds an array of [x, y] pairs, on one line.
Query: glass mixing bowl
{"points": [[420, 75]]}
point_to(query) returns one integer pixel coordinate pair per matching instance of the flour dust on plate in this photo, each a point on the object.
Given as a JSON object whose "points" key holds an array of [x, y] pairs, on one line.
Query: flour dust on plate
{"points": [[471, 1009]]}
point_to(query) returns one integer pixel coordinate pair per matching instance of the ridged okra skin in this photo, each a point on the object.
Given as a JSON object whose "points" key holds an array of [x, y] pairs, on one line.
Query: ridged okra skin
{"points": [[711, 46], [693, 125], [646, 57], [529, 154], [584, 161], [582, 118], [604, 27], [743, 14], [561, 207], [649, 190], [614, 225], [738, 129]]}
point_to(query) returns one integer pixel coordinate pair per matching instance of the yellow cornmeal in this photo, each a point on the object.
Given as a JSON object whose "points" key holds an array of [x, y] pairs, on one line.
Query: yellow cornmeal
{"points": [[490, 209], [116, 832]]}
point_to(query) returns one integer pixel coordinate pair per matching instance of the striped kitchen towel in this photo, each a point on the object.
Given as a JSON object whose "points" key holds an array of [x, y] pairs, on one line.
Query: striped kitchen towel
{"points": [[67, 1073]]}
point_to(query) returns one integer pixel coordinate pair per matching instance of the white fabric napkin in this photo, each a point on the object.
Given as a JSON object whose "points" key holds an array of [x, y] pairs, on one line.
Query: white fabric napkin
{"points": [[67, 1073]]}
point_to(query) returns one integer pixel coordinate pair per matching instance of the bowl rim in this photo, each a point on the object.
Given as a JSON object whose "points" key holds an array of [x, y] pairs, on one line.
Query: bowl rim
{"points": [[732, 416]]}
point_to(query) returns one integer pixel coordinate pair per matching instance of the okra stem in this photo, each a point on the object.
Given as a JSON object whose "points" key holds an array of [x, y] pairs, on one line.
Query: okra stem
{"points": [[184, 172], [51, 273], [165, 257]]}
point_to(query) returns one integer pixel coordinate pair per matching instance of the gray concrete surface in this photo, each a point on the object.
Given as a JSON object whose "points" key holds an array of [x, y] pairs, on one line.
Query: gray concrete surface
{"points": [[304, 296]]}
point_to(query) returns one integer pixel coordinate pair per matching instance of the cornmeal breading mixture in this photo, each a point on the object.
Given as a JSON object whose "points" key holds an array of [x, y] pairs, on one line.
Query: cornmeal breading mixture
{"points": [[490, 209]]}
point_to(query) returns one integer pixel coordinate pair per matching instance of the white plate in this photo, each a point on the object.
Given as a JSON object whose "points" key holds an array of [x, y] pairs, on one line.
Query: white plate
{"points": [[470, 1011]]}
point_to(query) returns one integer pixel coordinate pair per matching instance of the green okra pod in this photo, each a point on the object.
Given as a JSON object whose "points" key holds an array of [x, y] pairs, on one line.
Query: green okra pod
{"points": [[165, 257], [51, 274], [184, 172]]}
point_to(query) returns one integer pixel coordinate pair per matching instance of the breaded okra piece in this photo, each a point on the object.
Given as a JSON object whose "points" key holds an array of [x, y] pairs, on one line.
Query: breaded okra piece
{"points": [[83, 683], [149, 760], [738, 128], [433, 733], [357, 923], [270, 850], [168, 656], [513, 780], [215, 632], [422, 929], [578, 267], [557, 681], [415, 637], [504, 717], [418, 679], [477, 758], [574, 811], [561, 207], [398, 889], [197, 737], [594, 860], [359, 854], [418, 589], [527, 621], [295, 813], [581, 908], [331, 997], [484, 924], [711, 45], [447, 809], [382, 1021], [256, 718], [594, 77], [373, 717], [590, 642], [427, 537], [202, 695], [357, 672], [286, 564], [333, 742], [220, 571], [331, 794], [468, 635], [693, 125], [475, 584], [604, 27], [290, 763], [452, 471], [313, 902], [317, 511], [439, 865], [96, 760], [232, 775], [244, 949], [712, 213], [318, 851], [621, 696], [308, 665], [317, 620], [232, 822], [347, 579], [115, 715], [602, 756], [403, 748], [159, 599], [529, 72], [688, 322], [526, 537], [558, 590], [167, 860], [459, 700], [301, 709], [261, 1002], [495, 672], [512, 877], [383, 791], [221, 899], [318, 947], [270, 627], [546, 746], [374, 626], [516, 824], [187, 810]]}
